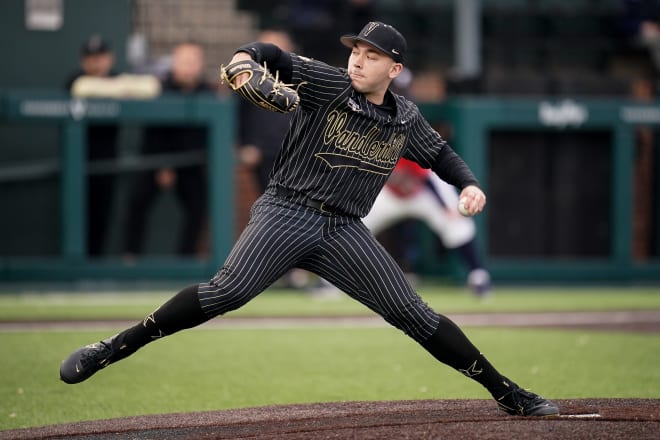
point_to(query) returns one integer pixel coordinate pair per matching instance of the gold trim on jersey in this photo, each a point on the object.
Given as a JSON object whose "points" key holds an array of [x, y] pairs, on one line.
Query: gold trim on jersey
{"points": [[336, 160]]}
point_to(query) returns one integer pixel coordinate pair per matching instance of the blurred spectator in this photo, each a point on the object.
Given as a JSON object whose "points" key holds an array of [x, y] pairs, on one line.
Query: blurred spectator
{"points": [[189, 182], [640, 22], [261, 132], [643, 91], [428, 86], [412, 192], [97, 60]]}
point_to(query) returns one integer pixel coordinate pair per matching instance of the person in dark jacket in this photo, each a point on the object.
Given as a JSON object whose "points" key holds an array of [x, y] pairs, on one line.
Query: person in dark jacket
{"points": [[97, 60], [189, 182]]}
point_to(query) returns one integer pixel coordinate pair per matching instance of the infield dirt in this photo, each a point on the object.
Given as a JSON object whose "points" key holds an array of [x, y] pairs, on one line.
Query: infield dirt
{"points": [[422, 419]]}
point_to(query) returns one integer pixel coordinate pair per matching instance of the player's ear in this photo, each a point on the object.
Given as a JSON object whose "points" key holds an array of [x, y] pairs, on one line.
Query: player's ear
{"points": [[395, 70]]}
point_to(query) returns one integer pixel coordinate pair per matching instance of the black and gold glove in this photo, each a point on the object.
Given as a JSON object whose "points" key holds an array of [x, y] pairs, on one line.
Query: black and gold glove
{"points": [[262, 88]]}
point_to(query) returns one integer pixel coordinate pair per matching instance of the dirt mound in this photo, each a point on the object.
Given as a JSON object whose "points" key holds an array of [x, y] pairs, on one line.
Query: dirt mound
{"points": [[419, 419]]}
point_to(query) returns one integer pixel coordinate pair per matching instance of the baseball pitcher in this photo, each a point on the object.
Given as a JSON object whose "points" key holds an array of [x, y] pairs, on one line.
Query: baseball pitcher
{"points": [[347, 133]]}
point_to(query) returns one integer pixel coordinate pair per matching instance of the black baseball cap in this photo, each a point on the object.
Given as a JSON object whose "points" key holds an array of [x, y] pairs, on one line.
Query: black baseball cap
{"points": [[383, 37], [94, 45]]}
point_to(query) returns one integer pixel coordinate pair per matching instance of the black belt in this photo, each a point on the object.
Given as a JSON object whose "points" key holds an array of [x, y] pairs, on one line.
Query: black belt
{"points": [[296, 196]]}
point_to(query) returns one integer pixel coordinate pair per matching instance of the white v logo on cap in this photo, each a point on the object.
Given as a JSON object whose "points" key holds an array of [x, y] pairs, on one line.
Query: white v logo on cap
{"points": [[369, 28]]}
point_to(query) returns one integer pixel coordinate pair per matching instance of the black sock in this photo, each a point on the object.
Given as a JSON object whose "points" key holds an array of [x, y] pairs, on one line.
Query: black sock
{"points": [[182, 311], [449, 345]]}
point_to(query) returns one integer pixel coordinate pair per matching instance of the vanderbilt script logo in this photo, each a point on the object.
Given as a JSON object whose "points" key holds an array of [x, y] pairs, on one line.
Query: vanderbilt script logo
{"points": [[360, 150]]}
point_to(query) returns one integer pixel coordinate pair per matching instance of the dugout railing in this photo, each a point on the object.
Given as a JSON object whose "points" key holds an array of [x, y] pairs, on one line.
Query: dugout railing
{"points": [[72, 117]]}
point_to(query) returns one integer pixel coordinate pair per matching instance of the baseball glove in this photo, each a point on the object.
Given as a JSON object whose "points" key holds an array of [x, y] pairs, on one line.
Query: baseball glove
{"points": [[262, 88]]}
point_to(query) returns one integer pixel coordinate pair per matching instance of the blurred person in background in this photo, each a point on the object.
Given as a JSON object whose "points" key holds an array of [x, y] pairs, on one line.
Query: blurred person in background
{"points": [[413, 192], [186, 77], [416, 193], [97, 60], [640, 22]]}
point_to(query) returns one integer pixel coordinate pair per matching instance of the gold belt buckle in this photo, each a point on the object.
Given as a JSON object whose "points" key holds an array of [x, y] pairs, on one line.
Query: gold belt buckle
{"points": [[322, 208]]}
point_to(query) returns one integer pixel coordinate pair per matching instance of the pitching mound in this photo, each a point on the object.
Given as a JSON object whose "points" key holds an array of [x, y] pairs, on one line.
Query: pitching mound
{"points": [[420, 419]]}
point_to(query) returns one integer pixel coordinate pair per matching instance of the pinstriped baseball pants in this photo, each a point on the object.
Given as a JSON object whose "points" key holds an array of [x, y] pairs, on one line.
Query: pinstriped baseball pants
{"points": [[281, 235]]}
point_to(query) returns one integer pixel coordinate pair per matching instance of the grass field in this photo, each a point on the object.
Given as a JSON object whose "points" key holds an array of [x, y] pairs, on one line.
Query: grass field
{"points": [[209, 369], [283, 302]]}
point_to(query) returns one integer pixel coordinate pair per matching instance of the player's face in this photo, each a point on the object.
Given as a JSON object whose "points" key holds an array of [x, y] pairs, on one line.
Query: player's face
{"points": [[371, 71]]}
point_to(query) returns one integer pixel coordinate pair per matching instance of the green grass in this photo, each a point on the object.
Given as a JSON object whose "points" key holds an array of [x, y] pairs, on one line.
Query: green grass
{"points": [[210, 369], [281, 302]]}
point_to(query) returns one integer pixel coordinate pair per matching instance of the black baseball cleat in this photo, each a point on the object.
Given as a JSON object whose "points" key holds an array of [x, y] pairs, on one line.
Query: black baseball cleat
{"points": [[520, 402], [87, 360]]}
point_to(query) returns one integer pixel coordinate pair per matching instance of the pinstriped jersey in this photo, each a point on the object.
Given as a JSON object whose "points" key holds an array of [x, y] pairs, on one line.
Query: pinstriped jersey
{"points": [[341, 150]]}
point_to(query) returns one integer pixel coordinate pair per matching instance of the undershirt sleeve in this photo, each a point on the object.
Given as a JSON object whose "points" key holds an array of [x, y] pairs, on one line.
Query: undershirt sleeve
{"points": [[452, 169]]}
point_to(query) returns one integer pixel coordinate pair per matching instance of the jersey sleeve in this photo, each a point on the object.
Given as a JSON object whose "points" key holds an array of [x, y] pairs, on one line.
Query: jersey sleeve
{"points": [[430, 150], [318, 83]]}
